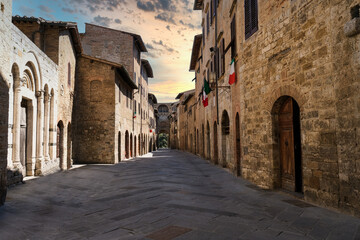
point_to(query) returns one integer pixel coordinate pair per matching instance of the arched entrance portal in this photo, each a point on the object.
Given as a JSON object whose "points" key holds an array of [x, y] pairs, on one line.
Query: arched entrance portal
{"points": [[135, 146], [286, 119], [225, 132], [238, 153], [127, 155]]}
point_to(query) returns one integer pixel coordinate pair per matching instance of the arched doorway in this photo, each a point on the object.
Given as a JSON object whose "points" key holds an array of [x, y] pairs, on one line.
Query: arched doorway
{"points": [[135, 146], [119, 146], [127, 155], [286, 123], [238, 153], [150, 145], [216, 156], [69, 147], [197, 139], [139, 138], [131, 145], [208, 155], [225, 132], [202, 141], [60, 143]]}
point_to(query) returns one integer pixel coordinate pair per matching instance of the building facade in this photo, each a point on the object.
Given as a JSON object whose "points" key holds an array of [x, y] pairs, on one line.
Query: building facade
{"points": [[290, 121]]}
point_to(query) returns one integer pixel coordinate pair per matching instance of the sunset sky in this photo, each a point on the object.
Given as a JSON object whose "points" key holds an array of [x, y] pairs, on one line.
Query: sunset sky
{"points": [[167, 27]]}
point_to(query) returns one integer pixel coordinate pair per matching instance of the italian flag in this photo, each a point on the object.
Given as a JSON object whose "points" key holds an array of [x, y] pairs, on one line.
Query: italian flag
{"points": [[232, 76], [206, 91]]}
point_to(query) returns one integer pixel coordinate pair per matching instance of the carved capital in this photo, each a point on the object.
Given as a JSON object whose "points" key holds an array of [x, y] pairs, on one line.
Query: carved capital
{"points": [[39, 94]]}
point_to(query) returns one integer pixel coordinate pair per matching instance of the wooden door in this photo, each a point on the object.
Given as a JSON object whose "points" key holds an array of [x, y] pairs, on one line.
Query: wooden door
{"points": [[23, 133], [287, 153]]}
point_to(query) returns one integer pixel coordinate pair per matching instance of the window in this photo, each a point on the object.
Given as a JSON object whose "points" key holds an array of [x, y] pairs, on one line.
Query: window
{"points": [[251, 17], [215, 3], [127, 98], [211, 11], [203, 33], [222, 62], [2, 7], [69, 74], [119, 94], [233, 38], [208, 23], [134, 107]]}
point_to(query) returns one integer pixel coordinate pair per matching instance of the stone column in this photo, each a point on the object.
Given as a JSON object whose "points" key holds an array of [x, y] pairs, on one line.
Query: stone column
{"points": [[47, 99], [39, 132], [16, 125]]}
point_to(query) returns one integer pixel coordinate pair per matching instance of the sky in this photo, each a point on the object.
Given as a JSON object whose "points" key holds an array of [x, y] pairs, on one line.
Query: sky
{"points": [[167, 27]]}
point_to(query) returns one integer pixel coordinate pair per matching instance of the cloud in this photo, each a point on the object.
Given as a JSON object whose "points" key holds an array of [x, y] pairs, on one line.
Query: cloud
{"points": [[189, 25], [166, 47], [45, 9], [156, 5], [168, 27], [69, 10], [103, 21], [118, 21], [97, 5], [146, 6], [165, 17], [27, 11], [149, 46]]}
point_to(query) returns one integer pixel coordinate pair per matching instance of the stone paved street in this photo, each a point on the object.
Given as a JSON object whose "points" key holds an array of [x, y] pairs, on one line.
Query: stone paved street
{"points": [[164, 195]]}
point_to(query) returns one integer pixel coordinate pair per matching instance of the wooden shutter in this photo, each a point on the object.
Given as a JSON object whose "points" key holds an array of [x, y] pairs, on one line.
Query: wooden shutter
{"points": [[233, 38], [251, 17]]}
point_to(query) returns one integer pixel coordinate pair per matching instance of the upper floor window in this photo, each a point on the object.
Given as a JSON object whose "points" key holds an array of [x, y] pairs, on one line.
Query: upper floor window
{"points": [[69, 74], [233, 38], [251, 17], [208, 22]]}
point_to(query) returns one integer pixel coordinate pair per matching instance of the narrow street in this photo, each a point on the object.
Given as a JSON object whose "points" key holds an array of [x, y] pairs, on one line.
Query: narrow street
{"points": [[165, 195]]}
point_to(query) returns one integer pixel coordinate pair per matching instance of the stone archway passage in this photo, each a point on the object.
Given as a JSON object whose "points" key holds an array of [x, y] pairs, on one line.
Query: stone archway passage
{"points": [[23, 133], [225, 132], [290, 146]]}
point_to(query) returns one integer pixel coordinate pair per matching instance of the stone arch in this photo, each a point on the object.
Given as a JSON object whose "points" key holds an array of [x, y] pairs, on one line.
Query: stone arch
{"points": [[33, 64], [163, 109], [286, 137], [287, 90], [60, 143], [127, 155], [225, 133]]}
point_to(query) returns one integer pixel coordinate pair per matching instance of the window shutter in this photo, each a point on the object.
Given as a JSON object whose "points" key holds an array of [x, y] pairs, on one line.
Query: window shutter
{"points": [[223, 57], [247, 19], [254, 16], [233, 38]]}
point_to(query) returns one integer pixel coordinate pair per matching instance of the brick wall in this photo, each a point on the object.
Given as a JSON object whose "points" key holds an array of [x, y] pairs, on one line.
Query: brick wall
{"points": [[94, 116]]}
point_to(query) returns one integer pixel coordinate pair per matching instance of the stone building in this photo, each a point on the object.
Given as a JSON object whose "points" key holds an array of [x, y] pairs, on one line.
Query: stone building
{"points": [[61, 42], [118, 72], [162, 115], [30, 90], [174, 137], [152, 122], [291, 119], [186, 120]]}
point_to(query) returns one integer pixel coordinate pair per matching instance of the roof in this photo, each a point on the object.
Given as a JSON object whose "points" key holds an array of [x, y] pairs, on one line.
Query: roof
{"points": [[147, 67], [188, 97], [71, 26], [198, 4], [186, 93], [137, 38], [153, 98], [121, 70], [195, 51]]}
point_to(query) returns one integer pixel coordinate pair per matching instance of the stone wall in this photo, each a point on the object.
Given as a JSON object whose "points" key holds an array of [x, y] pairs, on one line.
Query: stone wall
{"points": [[67, 69], [5, 34], [110, 44], [94, 117]]}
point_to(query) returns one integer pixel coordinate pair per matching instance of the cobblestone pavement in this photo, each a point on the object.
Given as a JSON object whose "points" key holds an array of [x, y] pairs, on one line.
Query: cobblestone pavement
{"points": [[170, 195]]}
